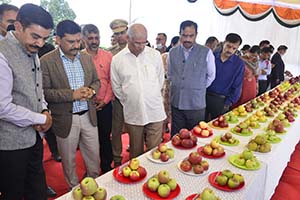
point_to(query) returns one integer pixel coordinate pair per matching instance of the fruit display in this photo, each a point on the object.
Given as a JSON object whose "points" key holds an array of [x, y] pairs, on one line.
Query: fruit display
{"points": [[254, 104], [130, 173], [271, 137], [260, 144], [161, 185], [274, 93], [296, 102], [261, 118], [242, 129], [162, 153], [202, 130], [227, 179], [227, 139], [193, 165], [184, 139], [245, 160], [252, 122], [231, 118], [290, 114], [89, 189], [212, 150], [206, 194], [277, 126], [241, 111], [264, 98], [220, 122], [284, 120]]}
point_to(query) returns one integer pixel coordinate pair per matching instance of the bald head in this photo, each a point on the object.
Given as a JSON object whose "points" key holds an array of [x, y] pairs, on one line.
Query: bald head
{"points": [[137, 31]]}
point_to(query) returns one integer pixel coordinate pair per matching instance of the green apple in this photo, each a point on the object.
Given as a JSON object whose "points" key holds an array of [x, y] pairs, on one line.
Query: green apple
{"points": [[88, 186], [172, 183], [163, 176], [156, 154], [252, 146], [162, 147], [260, 139], [134, 163], [170, 152], [77, 194], [100, 194], [239, 177], [250, 163], [221, 180], [164, 190], [126, 171], [117, 197], [227, 172], [88, 198], [240, 161], [208, 194], [247, 154], [153, 184], [233, 183]]}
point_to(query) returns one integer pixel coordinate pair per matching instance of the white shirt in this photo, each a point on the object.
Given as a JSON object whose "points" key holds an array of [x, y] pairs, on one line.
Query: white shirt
{"points": [[266, 66], [137, 83]]}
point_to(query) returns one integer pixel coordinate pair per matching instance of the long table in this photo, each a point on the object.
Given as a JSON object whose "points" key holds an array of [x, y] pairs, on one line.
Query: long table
{"points": [[260, 184]]}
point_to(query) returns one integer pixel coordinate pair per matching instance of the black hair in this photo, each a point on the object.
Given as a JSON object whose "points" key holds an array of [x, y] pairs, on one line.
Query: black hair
{"points": [[67, 26], [282, 47], [188, 23], [165, 35], [266, 50], [254, 49], [233, 38], [174, 41], [211, 40], [7, 7], [245, 47], [32, 14], [263, 42], [89, 28]]}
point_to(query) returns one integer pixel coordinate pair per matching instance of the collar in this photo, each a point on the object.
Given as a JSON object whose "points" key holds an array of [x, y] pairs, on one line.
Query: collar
{"points": [[187, 50], [230, 59], [62, 55]]}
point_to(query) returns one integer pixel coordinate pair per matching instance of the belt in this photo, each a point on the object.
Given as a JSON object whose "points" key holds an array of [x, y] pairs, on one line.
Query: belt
{"points": [[216, 95], [80, 113]]}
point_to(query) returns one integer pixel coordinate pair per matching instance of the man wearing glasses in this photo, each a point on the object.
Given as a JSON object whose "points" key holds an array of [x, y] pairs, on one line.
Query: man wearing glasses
{"points": [[137, 77]]}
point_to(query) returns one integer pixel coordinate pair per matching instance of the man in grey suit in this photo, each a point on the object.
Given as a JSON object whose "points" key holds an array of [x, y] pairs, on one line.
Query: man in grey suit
{"points": [[23, 110], [70, 81], [191, 69]]}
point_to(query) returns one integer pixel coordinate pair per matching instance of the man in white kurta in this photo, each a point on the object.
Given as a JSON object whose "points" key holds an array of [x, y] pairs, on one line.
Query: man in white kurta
{"points": [[137, 78]]}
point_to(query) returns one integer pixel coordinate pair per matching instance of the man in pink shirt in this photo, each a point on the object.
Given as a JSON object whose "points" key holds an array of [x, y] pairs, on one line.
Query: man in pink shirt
{"points": [[102, 60]]}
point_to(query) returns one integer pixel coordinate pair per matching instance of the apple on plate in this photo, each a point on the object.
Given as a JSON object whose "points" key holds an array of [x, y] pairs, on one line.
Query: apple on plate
{"points": [[162, 147], [170, 152], [208, 194], [187, 143], [185, 166], [197, 130], [153, 184], [163, 176], [142, 171], [198, 169], [207, 149], [88, 186], [176, 140], [204, 164], [126, 171], [184, 133], [164, 157], [134, 175], [117, 197], [88, 198], [222, 180], [77, 193], [172, 183], [156, 154], [100, 194], [194, 158], [233, 183], [134, 164], [163, 190]]}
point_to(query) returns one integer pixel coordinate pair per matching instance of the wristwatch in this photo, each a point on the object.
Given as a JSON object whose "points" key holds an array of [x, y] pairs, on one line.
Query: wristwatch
{"points": [[93, 91]]}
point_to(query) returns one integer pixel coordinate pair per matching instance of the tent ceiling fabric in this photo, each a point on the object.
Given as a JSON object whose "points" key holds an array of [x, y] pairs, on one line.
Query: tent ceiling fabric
{"points": [[286, 12]]}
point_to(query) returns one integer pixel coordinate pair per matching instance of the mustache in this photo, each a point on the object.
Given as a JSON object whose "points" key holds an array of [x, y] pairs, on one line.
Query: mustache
{"points": [[75, 49], [34, 47], [187, 42], [94, 45]]}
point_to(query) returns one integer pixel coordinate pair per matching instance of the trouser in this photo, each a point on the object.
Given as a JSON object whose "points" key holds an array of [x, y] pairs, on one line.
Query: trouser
{"points": [[150, 133], [214, 106], [22, 174], [262, 86], [104, 119], [84, 134], [51, 141], [117, 130], [274, 83], [185, 119]]}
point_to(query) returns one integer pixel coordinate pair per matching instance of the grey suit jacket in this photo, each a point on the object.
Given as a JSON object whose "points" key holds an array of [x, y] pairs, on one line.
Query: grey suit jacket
{"points": [[58, 93]]}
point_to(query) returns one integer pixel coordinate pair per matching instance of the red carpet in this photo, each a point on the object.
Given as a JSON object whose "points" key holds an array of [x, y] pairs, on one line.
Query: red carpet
{"points": [[54, 173]]}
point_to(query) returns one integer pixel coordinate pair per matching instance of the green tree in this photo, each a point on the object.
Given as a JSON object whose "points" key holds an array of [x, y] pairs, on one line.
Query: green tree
{"points": [[59, 9], [5, 1]]}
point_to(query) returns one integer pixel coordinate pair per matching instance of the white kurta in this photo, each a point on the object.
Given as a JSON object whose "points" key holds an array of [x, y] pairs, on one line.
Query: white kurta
{"points": [[137, 83]]}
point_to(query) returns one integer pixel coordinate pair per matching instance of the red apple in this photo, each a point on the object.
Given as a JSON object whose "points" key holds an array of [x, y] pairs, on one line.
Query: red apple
{"points": [[142, 171], [187, 143], [184, 133], [198, 169], [194, 158], [204, 164], [216, 123], [194, 139], [186, 166], [176, 141], [197, 130], [134, 175], [164, 157]]}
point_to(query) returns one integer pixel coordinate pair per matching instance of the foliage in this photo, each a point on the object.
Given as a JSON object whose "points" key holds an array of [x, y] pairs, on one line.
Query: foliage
{"points": [[5, 1], [59, 9]]}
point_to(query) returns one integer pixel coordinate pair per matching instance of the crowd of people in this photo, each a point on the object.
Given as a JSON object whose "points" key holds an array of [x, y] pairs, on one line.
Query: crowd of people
{"points": [[81, 97]]}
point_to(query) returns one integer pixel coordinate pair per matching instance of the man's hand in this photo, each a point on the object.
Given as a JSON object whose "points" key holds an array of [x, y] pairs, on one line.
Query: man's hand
{"points": [[44, 127], [100, 105], [83, 94]]}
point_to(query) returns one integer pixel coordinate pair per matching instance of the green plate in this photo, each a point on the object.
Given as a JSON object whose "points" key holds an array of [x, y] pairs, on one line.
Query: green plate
{"points": [[256, 127], [233, 157], [276, 140], [226, 143], [233, 131], [231, 122]]}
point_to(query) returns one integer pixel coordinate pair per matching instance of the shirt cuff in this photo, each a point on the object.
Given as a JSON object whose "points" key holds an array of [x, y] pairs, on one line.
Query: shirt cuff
{"points": [[39, 118]]}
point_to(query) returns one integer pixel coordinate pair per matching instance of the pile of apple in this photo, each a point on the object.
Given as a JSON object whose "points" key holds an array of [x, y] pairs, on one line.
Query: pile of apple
{"points": [[202, 129], [133, 170], [277, 126], [260, 144], [206, 194], [162, 183], [271, 136], [241, 111], [230, 179], [184, 139], [89, 190], [274, 93], [290, 114], [284, 120], [252, 122], [247, 159], [296, 102], [194, 163], [254, 104], [264, 98], [231, 117], [220, 122], [228, 138], [242, 128], [163, 153], [261, 117], [268, 111], [213, 149]]}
